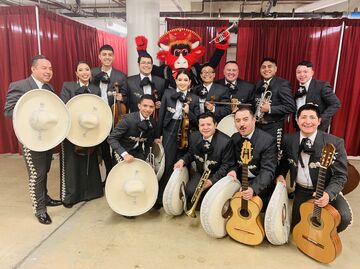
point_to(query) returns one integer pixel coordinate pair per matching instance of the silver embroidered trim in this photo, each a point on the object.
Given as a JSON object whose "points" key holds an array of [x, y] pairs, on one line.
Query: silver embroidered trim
{"points": [[314, 165], [137, 139], [171, 110], [63, 181], [279, 133], [199, 158], [137, 94], [117, 157], [292, 162], [32, 177]]}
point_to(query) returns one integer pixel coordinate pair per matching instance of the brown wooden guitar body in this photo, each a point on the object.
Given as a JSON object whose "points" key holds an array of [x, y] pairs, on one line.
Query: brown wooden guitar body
{"points": [[246, 229], [321, 243]]}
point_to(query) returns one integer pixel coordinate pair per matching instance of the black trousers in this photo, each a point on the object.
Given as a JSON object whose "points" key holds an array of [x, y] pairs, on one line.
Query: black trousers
{"points": [[106, 156], [38, 165], [340, 203]]}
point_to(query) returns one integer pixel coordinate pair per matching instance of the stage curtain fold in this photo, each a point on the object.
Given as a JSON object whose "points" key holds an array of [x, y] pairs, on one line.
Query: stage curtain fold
{"points": [[18, 43], [119, 45], [346, 123], [206, 29]]}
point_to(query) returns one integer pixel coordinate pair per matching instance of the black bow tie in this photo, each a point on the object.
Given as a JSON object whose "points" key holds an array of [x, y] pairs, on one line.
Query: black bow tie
{"points": [[179, 96], [103, 77], [145, 81], [231, 86], [82, 89], [306, 147], [300, 92], [144, 125]]}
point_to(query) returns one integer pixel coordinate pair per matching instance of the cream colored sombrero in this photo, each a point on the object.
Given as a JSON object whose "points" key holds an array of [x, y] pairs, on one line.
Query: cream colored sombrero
{"points": [[41, 120], [91, 120]]}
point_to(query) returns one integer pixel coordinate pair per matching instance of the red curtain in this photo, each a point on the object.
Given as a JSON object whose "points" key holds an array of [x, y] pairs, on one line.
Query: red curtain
{"points": [[66, 42], [119, 45], [206, 29], [346, 122], [18, 44]]}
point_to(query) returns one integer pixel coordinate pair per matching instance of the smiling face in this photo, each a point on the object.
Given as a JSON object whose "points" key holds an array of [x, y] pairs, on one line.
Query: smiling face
{"points": [[231, 72], [83, 73], [268, 70], [106, 58], [42, 70], [308, 122], [207, 127], [244, 122], [146, 107], [183, 82], [207, 75], [304, 73], [145, 66]]}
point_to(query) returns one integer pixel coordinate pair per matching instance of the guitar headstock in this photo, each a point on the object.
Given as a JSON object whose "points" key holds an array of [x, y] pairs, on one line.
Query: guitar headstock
{"points": [[327, 155], [246, 152]]}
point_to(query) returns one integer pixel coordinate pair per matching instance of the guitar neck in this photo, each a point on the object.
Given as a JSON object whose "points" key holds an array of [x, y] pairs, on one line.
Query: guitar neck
{"points": [[320, 186], [244, 185]]}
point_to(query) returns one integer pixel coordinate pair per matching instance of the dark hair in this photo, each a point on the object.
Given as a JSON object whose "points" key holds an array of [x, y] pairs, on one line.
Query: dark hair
{"points": [[205, 115], [245, 107], [231, 62], [106, 47], [81, 62], [308, 106], [185, 72], [268, 59], [147, 97], [144, 56], [205, 65], [306, 63], [35, 59]]}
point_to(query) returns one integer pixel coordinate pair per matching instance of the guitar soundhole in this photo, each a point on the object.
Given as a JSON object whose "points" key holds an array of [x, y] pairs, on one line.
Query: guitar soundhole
{"points": [[226, 210], [315, 222], [244, 213]]}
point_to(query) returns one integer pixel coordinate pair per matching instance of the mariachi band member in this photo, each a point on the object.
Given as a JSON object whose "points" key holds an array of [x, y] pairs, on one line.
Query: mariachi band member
{"points": [[301, 153], [135, 133], [315, 91], [144, 83], [278, 102], [105, 77], [208, 92], [239, 89], [178, 114], [79, 167], [41, 74], [261, 169], [211, 150]]}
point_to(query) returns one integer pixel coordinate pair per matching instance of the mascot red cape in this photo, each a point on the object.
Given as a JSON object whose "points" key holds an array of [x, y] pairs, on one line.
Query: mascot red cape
{"points": [[181, 49]]}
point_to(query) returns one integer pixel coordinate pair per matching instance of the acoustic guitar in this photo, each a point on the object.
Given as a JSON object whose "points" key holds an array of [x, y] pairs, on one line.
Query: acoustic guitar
{"points": [[316, 234], [244, 225]]}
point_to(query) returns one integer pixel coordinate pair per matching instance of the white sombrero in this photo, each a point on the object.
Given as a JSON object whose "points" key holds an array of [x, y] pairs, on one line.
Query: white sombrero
{"points": [[159, 155], [131, 188], [41, 120], [227, 125], [91, 120]]}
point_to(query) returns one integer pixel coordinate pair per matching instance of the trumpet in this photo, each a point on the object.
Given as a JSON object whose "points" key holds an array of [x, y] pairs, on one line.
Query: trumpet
{"points": [[264, 98], [150, 159], [221, 37], [198, 191]]}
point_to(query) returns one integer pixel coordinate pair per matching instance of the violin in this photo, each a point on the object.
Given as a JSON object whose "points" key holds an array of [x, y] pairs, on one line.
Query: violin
{"points": [[156, 97], [118, 108], [183, 134]]}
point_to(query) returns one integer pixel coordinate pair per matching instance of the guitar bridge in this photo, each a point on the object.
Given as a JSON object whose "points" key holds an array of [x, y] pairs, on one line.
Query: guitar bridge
{"points": [[313, 242], [244, 231]]}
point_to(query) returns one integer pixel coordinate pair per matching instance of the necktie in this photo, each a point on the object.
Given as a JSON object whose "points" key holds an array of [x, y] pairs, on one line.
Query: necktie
{"points": [[306, 147], [231, 86], [145, 81], [46, 86], [203, 92], [300, 92], [144, 126], [206, 146]]}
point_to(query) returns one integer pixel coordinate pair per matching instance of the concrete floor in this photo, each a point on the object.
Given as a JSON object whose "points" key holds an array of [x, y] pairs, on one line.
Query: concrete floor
{"points": [[91, 235]]}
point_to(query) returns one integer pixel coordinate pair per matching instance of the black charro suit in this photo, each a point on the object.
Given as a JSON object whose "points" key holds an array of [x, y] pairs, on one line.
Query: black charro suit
{"points": [[244, 91], [322, 94], [262, 165], [335, 178], [69, 90], [220, 94], [169, 129], [126, 134], [115, 76], [37, 163], [135, 91], [221, 158]]}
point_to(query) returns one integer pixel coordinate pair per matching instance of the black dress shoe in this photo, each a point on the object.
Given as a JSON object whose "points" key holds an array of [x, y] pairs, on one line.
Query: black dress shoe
{"points": [[44, 218], [291, 195], [129, 217], [52, 202], [68, 205]]}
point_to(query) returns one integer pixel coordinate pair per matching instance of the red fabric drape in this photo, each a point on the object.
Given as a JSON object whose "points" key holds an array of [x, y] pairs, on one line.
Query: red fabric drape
{"points": [[18, 44], [119, 45], [346, 123], [206, 29], [66, 42]]}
